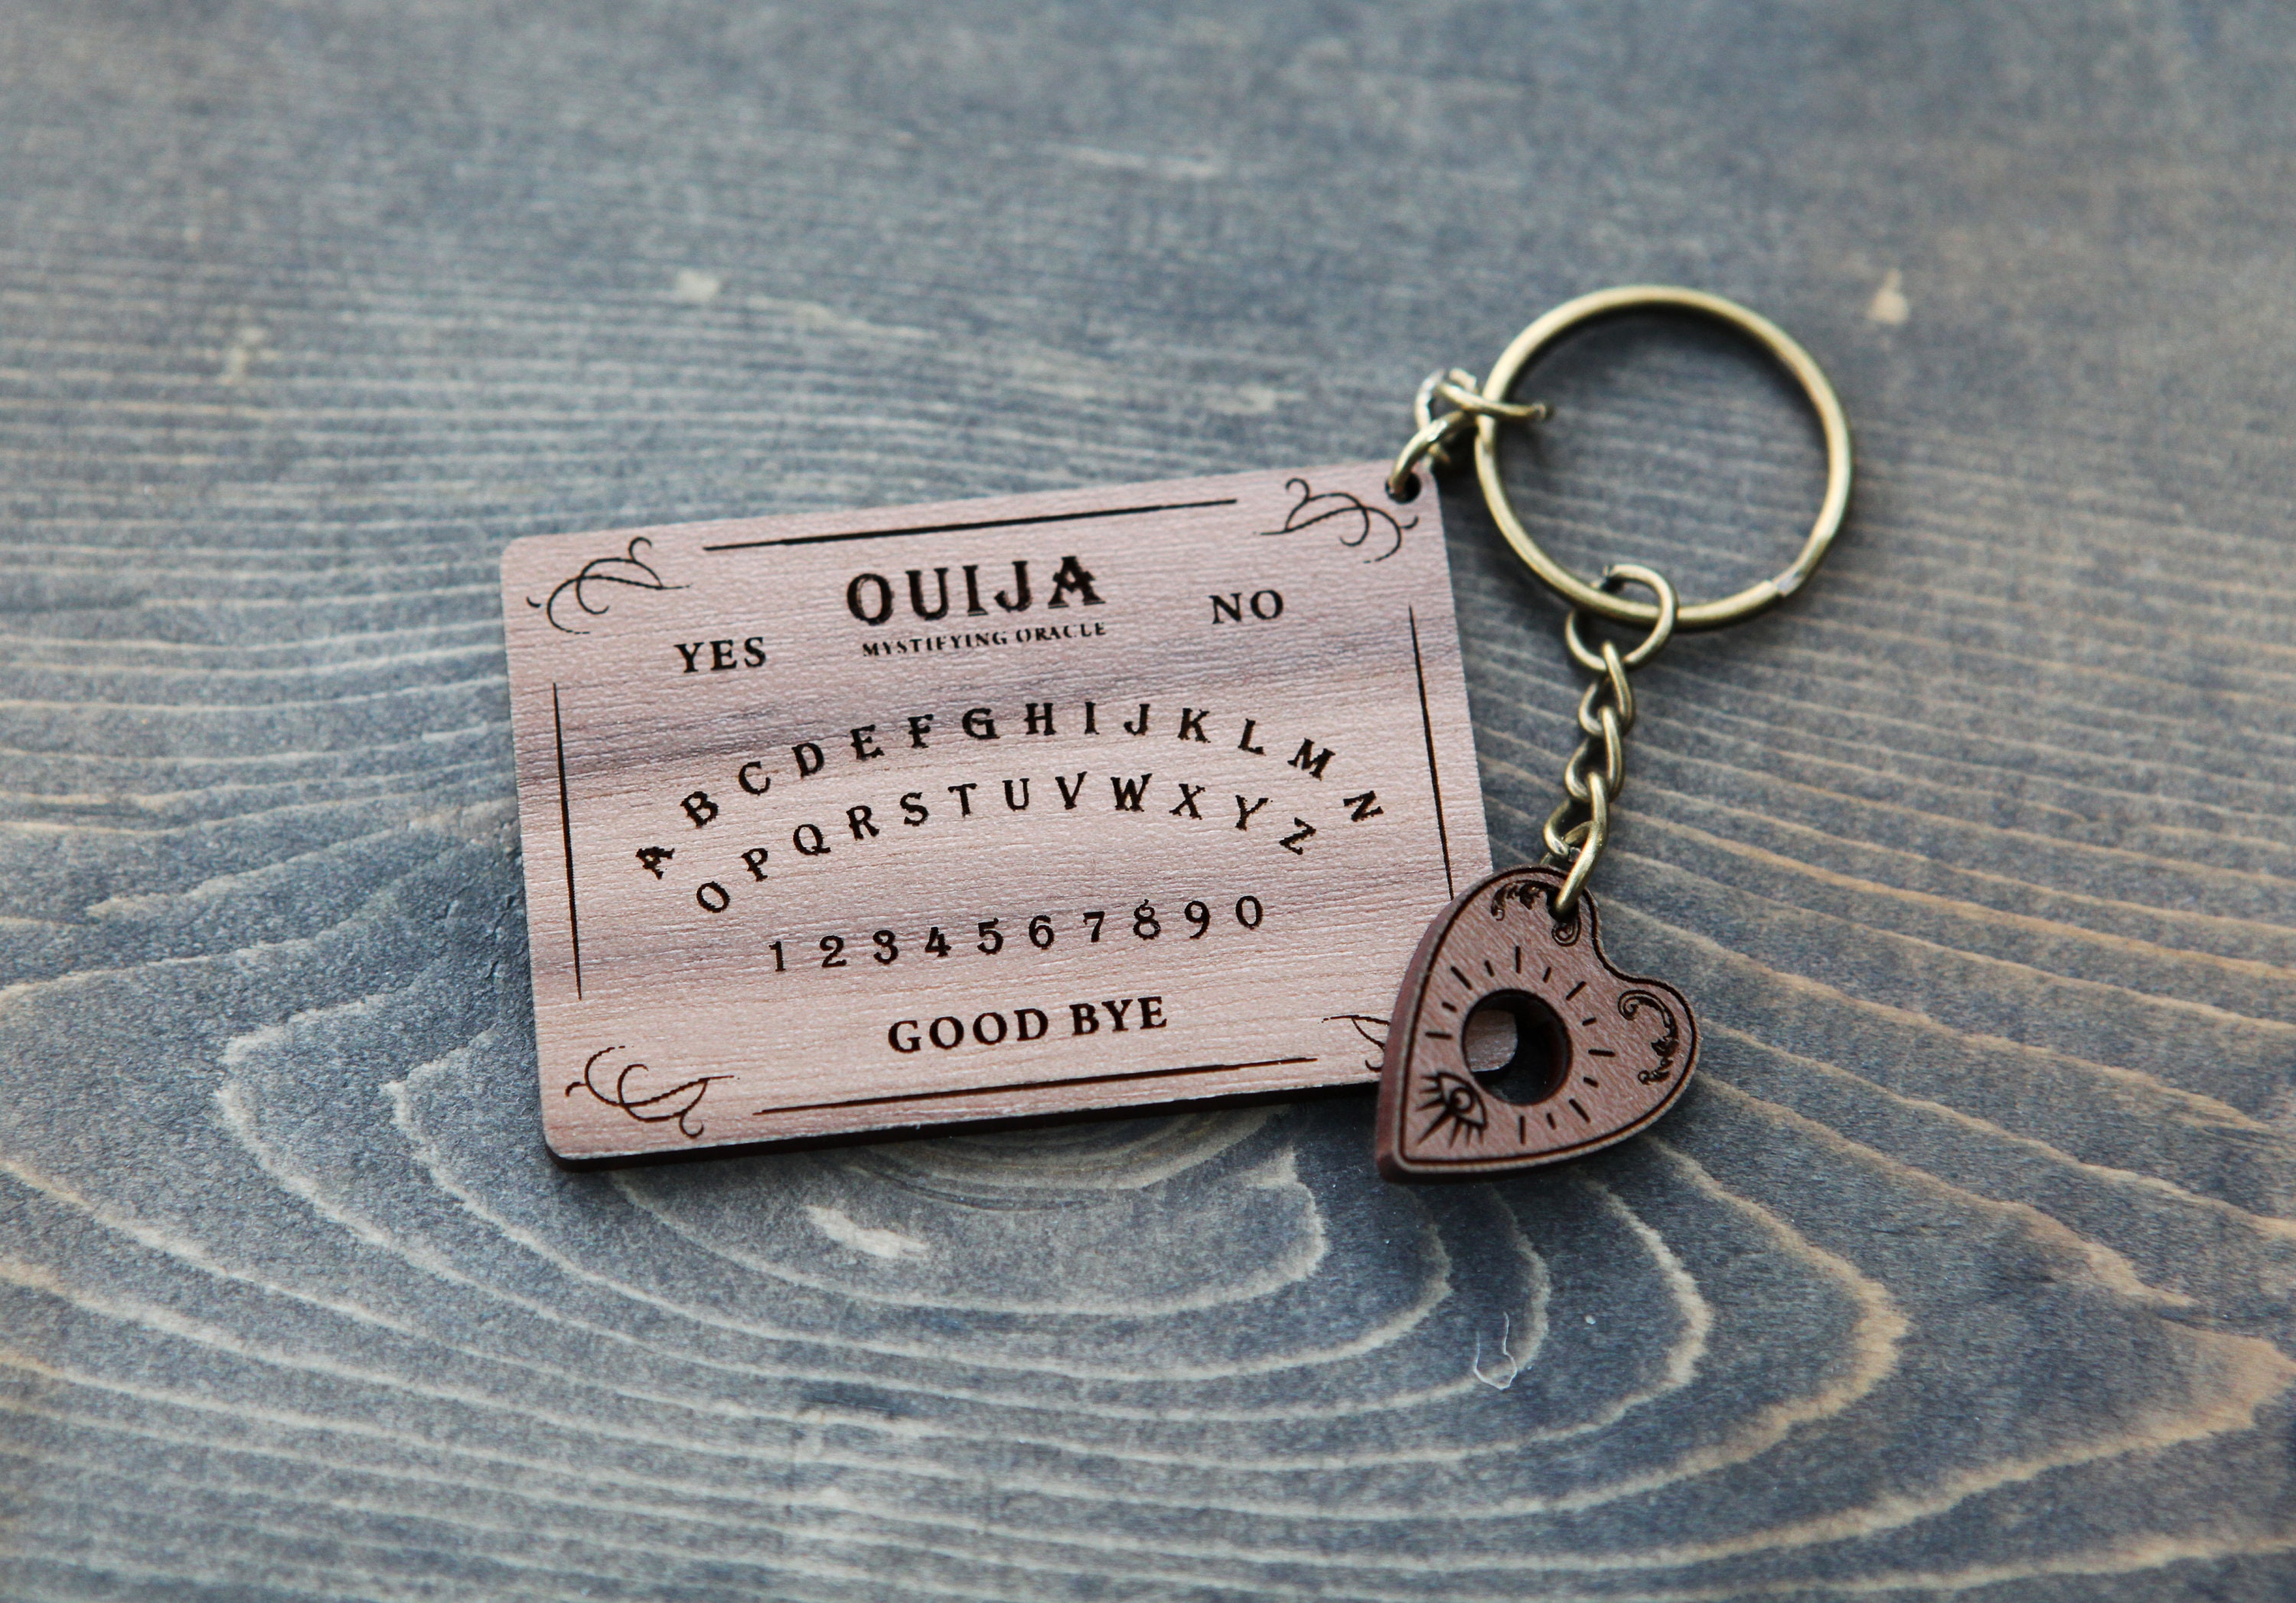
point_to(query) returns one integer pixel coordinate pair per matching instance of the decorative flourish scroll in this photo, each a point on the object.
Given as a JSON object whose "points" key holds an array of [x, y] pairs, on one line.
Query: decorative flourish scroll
{"points": [[1632, 1003], [629, 570], [1361, 521], [676, 1103], [1372, 1028], [1536, 898], [1531, 893]]}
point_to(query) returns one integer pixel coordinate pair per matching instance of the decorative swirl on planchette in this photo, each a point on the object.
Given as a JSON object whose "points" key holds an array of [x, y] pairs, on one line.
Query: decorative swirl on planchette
{"points": [[1339, 504], [1631, 1003], [1526, 891], [647, 1109], [629, 570], [1536, 896]]}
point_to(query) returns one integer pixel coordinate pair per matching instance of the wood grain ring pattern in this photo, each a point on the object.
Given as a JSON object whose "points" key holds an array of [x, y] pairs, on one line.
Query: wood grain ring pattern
{"points": [[1963, 1274]]}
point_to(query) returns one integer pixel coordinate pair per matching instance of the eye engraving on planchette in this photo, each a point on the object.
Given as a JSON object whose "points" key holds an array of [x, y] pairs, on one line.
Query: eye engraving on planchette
{"points": [[1598, 1055]]}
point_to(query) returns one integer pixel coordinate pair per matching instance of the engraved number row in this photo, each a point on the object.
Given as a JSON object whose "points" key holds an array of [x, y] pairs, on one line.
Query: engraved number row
{"points": [[885, 945]]}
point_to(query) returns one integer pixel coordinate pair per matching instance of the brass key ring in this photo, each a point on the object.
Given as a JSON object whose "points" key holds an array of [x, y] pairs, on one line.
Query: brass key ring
{"points": [[1571, 314]]}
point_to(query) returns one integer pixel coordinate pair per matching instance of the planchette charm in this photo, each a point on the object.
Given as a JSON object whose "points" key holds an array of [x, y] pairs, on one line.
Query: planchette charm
{"points": [[1599, 1054]]}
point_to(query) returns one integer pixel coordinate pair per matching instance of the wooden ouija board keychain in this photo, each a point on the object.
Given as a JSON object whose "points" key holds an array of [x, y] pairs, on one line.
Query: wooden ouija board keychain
{"points": [[847, 823], [1575, 1054]]}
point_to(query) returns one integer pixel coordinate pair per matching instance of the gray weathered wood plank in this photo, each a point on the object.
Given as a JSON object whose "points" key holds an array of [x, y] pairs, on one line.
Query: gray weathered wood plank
{"points": [[1965, 1270]]}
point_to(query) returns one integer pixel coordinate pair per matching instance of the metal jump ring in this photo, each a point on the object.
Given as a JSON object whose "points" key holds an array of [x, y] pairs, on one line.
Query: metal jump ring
{"points": [[1431, 440], [1458, 388], [1534, 341], [1664, 614], [1427, 443]]}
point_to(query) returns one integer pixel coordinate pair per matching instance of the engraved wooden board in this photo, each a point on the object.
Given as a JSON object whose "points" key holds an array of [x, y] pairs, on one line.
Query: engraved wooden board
{"points": [[870, 821]]}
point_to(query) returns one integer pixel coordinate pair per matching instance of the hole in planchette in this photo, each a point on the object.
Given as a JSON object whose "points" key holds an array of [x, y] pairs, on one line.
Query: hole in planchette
{"points": [[1516, 1047]]}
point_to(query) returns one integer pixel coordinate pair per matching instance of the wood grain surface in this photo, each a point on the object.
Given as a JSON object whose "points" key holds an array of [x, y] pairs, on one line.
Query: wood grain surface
{"points": [[803, 958], [1963, 1268]]}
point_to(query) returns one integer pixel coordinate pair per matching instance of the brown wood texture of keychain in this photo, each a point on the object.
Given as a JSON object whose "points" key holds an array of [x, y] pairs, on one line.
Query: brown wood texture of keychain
{"points": [[1595, 1054]]}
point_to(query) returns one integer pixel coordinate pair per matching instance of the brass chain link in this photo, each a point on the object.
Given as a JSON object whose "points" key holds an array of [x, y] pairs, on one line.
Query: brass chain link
{"points": [[1606, 712]]}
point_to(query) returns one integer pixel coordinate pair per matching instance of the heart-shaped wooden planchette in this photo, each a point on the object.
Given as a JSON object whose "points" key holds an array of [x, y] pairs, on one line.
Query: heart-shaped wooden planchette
{"points": [[1600, 1054]]}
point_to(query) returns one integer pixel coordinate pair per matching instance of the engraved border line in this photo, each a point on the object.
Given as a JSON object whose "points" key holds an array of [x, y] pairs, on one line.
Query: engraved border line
{"points": [[997, 1091], [566, 833], [1435, 779], [949, 528]]}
